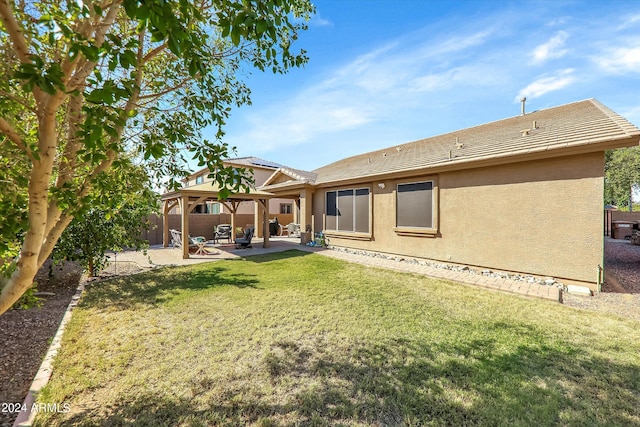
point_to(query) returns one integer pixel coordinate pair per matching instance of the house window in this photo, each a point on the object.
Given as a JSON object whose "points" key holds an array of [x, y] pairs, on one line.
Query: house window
{"points": [[285, 208], [415, 205], [200, 179], [348, 210], [214, 207]]}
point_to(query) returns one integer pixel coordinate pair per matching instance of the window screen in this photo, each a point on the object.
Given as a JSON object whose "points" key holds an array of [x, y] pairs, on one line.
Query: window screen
{"points": [[332, 211], [348, 210], [414, 204], [345, 210], [362, 210]]}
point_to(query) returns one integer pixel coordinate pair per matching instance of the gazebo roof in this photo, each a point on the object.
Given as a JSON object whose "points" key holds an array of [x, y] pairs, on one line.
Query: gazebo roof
{"points": [[210, 190], [189, 197]]}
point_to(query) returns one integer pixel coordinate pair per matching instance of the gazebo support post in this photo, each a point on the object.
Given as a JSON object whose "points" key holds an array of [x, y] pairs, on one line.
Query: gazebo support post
{"points": [[185, 227], [265, 222], [232, 206], [165, 224]]}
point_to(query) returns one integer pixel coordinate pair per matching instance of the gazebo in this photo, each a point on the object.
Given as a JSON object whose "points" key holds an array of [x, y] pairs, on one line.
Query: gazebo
{"points": [[189, 197]]}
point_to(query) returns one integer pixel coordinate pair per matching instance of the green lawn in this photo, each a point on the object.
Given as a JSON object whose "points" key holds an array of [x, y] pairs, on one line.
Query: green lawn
{"points": [[301, 339]]}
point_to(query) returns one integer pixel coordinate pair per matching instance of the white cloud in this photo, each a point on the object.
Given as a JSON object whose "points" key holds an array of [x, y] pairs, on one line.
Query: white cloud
{"points": [[547, 83], [629, 21], [621, 60], [371, 87], [476, 75], [556, 22], [553, 49], [318, 21]]}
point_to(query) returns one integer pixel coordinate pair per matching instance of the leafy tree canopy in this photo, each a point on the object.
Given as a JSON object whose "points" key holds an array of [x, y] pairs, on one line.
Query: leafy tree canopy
{"points": [[90, 85], [622, 176], [118, 224]]}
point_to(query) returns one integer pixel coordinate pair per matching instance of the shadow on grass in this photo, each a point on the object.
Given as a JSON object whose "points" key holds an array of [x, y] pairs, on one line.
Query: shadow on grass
{"points": [[276, 256], [407, 382], [159, 286]]}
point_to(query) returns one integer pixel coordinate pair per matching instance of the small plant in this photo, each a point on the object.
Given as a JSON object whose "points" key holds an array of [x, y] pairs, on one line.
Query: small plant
{"points": [[28, 300]]}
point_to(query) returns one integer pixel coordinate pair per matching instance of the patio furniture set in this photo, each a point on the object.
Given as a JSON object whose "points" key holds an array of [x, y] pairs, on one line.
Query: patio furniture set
{"points": [[224, 231]]}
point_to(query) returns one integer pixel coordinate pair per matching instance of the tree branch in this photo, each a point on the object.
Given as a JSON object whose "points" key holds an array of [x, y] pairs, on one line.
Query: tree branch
{"points": [[52, 235], [18, 100], [14, 137], [84, 68], [164, 92], [20, 45], [154, 52], [15, 32]]}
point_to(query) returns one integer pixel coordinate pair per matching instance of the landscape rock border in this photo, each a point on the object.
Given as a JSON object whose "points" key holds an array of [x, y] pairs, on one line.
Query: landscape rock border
{"points": [[25, 418], [547, 281]]}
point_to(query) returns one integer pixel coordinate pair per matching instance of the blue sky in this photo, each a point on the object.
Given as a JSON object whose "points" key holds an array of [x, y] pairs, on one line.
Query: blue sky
{"points": [[387, 72]]}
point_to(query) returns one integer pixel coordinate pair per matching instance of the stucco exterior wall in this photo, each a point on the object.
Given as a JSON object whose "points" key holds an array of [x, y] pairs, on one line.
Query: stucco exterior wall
{"points": [[540, 217]]}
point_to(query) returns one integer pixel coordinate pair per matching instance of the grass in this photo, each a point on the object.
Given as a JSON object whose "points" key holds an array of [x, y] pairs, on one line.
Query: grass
{"points": [[301, 339]]}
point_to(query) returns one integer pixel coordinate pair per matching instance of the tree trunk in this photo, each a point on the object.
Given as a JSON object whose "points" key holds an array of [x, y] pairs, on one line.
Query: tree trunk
{"points": [[27, 264]]}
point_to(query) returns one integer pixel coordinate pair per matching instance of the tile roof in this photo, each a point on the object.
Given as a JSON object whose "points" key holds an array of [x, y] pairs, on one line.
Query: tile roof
{"points": [[560, 128], [249, 162], [296, 174], [253, 162]]}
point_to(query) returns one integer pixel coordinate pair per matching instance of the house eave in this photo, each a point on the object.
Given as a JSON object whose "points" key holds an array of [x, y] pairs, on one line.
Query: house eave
{"points": [[525, 155]]}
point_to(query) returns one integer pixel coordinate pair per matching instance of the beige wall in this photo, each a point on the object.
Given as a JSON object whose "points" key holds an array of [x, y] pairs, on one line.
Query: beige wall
{"points": [[543, 218], [249, 207]]}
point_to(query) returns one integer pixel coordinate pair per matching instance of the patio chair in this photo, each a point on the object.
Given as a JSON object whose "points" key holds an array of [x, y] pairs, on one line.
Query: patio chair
{"points": [[293, 229], [176, 238], [194, 242], [223, 231], [274, 227], [245, 241]]}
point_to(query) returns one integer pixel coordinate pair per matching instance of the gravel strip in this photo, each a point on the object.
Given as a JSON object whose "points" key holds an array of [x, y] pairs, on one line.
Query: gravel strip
{"points": [[621, 290]]}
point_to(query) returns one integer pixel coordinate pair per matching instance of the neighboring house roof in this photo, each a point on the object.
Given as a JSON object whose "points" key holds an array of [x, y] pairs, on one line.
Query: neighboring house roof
{"points": [[246, 162], [253, 162], [291, 175], [578, 127], [210, 190]]}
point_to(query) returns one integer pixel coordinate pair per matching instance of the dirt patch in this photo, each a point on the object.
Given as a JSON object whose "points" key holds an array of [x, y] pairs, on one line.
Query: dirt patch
{"points": [[622, 264], [25, 334], [621, 291]]}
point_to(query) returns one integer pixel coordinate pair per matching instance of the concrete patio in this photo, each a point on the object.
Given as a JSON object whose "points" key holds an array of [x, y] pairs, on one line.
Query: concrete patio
{"points": [[158, 256]]}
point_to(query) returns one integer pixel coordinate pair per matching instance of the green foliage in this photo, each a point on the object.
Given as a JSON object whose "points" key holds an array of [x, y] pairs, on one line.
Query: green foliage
{"points": [[28, 300], [13, 201], [112, 222], [622, 176], [89, 85]]}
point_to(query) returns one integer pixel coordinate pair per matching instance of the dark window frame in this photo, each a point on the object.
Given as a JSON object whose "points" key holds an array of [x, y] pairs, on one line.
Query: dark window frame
{"points": [[287, 207], [359, 221], [408, 224]]}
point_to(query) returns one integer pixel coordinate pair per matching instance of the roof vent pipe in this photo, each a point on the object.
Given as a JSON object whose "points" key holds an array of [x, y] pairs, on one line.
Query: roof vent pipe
{"points": [[522, 101]]}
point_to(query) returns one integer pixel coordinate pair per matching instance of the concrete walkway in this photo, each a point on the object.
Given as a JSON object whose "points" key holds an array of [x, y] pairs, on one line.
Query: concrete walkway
{"points": [[159, 256]]}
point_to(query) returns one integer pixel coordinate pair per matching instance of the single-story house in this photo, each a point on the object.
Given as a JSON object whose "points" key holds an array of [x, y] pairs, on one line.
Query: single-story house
{"points": [[522, 195]]}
